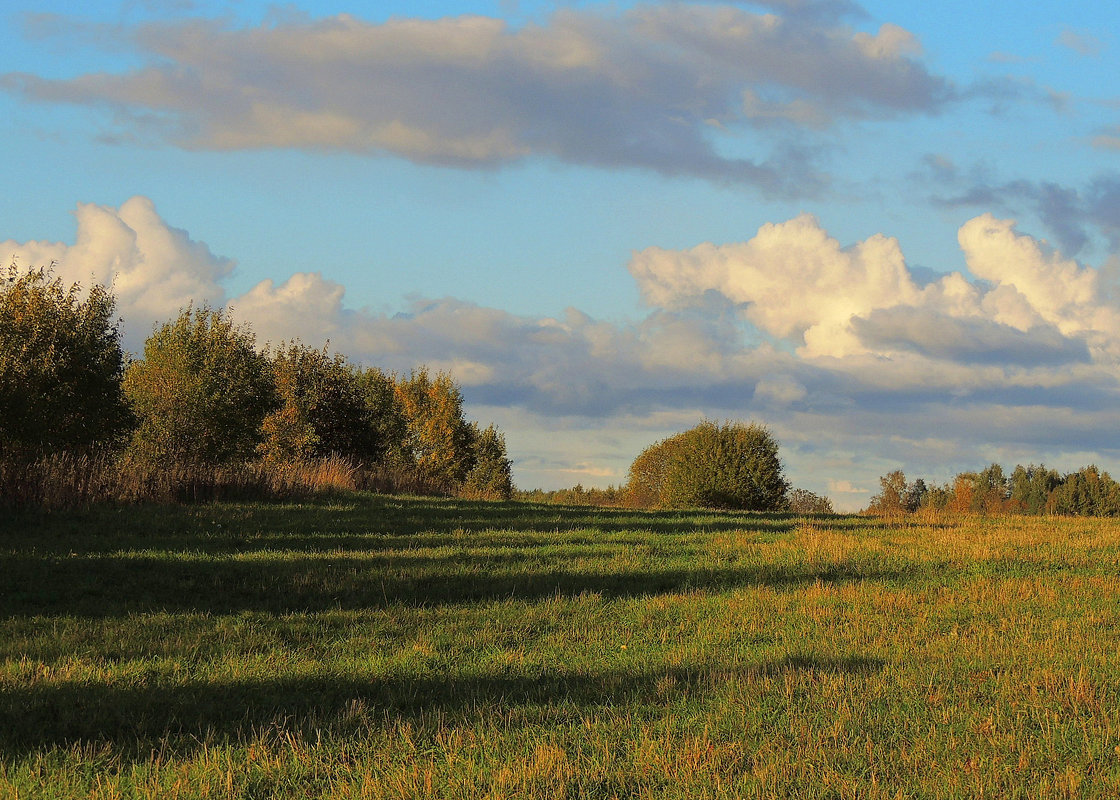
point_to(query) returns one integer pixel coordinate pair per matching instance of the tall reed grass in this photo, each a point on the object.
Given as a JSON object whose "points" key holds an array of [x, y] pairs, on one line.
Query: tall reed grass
{"points": [[67, 480]]}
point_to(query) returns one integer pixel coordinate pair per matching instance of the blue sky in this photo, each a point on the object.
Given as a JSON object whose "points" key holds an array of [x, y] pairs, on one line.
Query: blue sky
{"points": [[889, 230]]}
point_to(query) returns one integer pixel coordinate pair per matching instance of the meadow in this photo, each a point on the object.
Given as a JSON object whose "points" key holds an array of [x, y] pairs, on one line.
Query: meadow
{"points": [[365, 646]]}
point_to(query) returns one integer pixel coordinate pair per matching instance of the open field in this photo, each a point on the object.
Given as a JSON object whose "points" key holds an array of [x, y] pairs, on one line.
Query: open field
{"points": [[365, 646]]}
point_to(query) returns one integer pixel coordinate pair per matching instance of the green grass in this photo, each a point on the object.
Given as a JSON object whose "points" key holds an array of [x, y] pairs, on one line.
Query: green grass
{"points": [[366, 646]]}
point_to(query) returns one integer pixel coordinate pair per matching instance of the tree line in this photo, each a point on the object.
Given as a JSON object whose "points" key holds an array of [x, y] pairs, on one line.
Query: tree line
{"points": [[1032, 489], [203, 396]]}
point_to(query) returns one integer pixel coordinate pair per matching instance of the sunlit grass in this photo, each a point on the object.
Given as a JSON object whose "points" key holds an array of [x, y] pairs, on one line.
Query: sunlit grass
{"points": [[390, 648]]}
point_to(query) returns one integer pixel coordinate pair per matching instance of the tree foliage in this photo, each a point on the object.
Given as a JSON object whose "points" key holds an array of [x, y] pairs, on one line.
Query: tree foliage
{"points": [[386, 414], [731, 466], [60, 366], [647, 479], [490, 475], [437, 441], [802, 501], [201, 391], [891, 499], [1087, 492], [323, 409], [1029, 490]]}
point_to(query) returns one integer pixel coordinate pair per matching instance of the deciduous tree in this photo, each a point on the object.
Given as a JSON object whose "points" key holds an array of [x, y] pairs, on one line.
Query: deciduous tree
{"points": [[437, 438], [201, 390], [61, 366], [490, 476]]}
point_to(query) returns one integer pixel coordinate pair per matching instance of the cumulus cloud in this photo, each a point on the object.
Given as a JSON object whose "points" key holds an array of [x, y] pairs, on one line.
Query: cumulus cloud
{"points": [[153, 268], [643, 88], [1033, 283], [796, 283]]}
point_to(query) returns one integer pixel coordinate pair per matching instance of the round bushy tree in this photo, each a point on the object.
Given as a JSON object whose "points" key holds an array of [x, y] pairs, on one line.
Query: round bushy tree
{"points": [[201, 391], [729, 466], [649, 472], [61, 366]]}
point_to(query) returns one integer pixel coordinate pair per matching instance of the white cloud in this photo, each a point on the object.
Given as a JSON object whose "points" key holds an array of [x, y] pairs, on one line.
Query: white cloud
{"points": [[779, 390], [1081, 42], [1033, 284], [792, 280], [846, 487], [796, 283], [1108, 140]]}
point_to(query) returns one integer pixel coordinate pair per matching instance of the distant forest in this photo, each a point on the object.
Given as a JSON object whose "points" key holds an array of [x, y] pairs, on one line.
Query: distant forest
{"points": [[1033, 489]]}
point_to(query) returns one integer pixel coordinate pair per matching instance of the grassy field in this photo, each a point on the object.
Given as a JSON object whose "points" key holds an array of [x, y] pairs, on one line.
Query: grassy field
{"points": [[374, 647]]}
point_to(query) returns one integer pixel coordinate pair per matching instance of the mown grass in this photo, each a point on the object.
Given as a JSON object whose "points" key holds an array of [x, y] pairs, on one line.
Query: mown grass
{"points": [[374, 647]]}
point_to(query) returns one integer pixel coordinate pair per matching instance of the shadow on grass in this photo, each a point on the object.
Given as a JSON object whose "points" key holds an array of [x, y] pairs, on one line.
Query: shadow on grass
{"points": [[137, 720], [373, 551], [363, 521], [107, 586]]}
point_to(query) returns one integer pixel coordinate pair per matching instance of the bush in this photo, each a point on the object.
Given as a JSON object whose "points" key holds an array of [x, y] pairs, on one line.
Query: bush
{"points": [[61, 366], [201, 392], [729, 466]]}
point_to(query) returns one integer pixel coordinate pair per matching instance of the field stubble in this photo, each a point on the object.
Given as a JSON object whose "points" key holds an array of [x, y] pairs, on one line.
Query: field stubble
{"points": [[373, 647]]}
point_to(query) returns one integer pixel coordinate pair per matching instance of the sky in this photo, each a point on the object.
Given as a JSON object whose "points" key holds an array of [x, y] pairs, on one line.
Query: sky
{"points": [[889, 231]]}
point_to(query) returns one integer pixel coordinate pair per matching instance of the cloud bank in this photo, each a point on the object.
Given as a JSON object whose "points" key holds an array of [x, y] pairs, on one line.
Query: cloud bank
{"points": [[652, 87], [858, 366]]}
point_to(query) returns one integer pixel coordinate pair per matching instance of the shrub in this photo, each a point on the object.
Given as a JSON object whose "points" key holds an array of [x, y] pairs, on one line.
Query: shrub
{"points": [[802, 501], [729, 466]]}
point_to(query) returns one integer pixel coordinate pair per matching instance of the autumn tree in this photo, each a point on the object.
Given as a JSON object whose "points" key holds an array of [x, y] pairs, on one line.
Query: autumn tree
{"points": [[991, 491], [1087, 492], [385, 415], [201, 391], [61, 366], [1030, 487], [437, 442], [892, 496]]}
